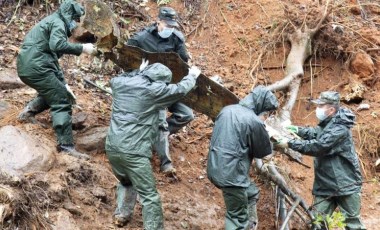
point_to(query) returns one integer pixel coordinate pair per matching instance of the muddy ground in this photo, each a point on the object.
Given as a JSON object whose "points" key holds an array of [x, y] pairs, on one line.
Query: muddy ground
{"points": [[224, 38]]}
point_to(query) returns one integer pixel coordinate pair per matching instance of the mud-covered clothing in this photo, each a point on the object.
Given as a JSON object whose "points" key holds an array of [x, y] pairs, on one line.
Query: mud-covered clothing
{"points": [[149, 40], [336, 164], [238, 137], [38, 67]]}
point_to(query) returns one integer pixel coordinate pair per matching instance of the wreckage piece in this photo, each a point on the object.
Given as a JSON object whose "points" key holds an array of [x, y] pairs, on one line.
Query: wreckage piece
{"points": [[98, 25], [208, 97]]}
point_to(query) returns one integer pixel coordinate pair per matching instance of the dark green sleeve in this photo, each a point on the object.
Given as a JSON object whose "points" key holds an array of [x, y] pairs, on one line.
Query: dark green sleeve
{"points": [[259, 141], [133, 41], [182, 51], [58, 41], [323, 144], [308, 133]]}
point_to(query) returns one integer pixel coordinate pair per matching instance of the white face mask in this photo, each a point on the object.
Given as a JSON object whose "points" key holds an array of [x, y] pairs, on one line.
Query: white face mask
{"points": [[166, 32], [320, 113], [72, 25]]}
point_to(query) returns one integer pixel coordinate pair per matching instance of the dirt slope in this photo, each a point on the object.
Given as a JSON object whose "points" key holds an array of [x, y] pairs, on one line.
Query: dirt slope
{"points": [[224, 39]]}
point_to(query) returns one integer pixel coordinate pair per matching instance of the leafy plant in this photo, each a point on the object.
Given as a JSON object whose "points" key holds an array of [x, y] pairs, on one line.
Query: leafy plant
{"points": [[336, 221]]}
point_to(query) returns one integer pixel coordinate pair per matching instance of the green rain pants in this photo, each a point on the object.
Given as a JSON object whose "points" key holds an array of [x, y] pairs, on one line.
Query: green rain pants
{"points": [[349, 206], [239, 202], [52, 94], [136, 170]]}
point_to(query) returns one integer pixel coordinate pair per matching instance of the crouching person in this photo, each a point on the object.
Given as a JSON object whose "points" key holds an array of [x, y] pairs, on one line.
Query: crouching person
{"points": [[137, 101], [238, 136]]}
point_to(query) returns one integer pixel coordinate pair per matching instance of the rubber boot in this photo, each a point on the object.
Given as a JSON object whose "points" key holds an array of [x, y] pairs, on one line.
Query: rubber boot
{"points": [[252, 216], [70, 150], [34, 107], [125, 203]]}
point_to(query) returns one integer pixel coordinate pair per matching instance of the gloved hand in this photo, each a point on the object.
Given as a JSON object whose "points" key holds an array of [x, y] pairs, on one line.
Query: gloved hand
{"points": [[144, 64], [292, 128], [89, 48], [194, 71], [281, 143], [73, 98]]}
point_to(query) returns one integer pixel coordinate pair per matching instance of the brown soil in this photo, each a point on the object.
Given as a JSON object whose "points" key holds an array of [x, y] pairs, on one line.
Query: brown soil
{"points": [[227, 40]]}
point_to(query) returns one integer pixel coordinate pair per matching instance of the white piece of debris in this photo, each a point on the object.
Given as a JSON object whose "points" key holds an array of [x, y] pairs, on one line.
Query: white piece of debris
{"points": [[217, 79], [377, 162], [363, 107]]}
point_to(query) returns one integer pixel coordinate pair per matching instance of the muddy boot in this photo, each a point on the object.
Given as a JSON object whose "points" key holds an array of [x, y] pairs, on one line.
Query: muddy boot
{"points": [[70, 150], [125, 204], [34, 107], [168, 169], [252, 216]]}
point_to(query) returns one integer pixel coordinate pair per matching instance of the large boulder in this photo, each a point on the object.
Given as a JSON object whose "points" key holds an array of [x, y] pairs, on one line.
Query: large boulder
{"points": [[92, 140], [363, 66], [10, 80], [20, 153]]}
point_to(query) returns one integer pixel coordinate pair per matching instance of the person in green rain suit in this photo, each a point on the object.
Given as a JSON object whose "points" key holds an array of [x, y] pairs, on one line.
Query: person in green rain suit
{"points": [[38, 67], [164, 36], [337, 176], [138, 97], [239, 135]]}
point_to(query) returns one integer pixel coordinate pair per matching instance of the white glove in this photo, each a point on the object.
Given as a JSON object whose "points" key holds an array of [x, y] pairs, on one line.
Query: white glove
{"points": [[89, 48], [144, 64], [71, 93], [194, 71]]}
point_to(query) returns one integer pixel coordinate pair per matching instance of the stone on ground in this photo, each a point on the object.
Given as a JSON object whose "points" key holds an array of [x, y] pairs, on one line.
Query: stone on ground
{"points": [[93, 140], [21, 153], [10, 80]]}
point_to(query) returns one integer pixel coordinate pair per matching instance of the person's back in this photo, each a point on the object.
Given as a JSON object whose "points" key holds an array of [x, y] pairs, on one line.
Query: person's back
{"points": [[238, 136]]}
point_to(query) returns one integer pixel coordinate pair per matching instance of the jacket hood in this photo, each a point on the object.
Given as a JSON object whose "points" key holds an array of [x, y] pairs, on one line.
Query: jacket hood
{"points": [[260, 100], [158, 72], [70, 10], [345, 117]]}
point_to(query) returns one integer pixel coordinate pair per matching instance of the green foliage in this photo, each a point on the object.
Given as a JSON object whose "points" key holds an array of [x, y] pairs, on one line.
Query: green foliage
{"points": [[335, 221], [163, 2]]}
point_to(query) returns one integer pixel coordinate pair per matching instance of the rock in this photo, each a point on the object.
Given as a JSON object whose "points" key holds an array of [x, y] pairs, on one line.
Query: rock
{"points": [[78, 120], [93, 140], [75, 210], [4, 106], [363, 66], [64, 221], [21, 153], [353, 93], [10, 80], [100, 193]]}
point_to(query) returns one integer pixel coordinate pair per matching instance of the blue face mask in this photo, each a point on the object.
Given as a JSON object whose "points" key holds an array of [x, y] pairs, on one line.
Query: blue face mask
{"points": [[166, 32], [320, 113], [72, 25]]}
